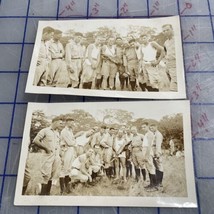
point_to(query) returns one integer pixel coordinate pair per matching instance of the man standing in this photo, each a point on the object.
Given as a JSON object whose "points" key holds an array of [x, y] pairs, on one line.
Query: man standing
{"points": [[68, 148], [120, 160], [42, 67], [149, 61], [109, 66], [170, 56], [120, 65], [73, 58], [107, 143], [149, 156], [131, 64], [91, 66], [157, 158], [137, 153], [48, 140], [57, 53]]}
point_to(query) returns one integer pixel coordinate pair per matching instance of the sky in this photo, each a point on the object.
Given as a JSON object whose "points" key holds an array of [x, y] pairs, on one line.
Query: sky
{"points": [[149, 110], [121, 25]]}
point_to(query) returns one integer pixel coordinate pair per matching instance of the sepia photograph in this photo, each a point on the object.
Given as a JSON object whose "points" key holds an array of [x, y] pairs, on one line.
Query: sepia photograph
{"points": [[128, 58], [135, 154]]}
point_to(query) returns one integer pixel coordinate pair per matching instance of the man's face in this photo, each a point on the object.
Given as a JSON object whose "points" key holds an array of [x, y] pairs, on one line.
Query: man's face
{"points": [[102, 130], [57, 36], [111, 131], [90, 152], [77, 39], [153, 128], [119, 42], [48, 36], [144, 40], [134, 130], [70, 123], [97, 41], [111, 41], [59, 124], [120, 133], [167, 30], [132, 44], [144, 128]]}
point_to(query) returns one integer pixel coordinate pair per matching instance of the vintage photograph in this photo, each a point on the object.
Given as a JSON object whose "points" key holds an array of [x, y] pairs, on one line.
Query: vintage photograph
{"points": [[131, 58], [107, 154]]}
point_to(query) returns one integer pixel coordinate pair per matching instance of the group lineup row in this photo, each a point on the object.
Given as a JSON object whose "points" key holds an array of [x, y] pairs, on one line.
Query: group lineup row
{"points": [[113, 63], [99, 152]]}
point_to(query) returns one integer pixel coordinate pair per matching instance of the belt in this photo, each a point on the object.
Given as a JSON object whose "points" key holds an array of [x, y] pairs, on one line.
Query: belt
{"points": [[56, 58], [132, 59], [75, 168]]}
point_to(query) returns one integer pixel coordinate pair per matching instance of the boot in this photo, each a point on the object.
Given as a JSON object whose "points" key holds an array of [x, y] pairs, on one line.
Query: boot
{"points": [[137, 171], [159, 178], [44, 189], [24, 190], [143, 171], [62, 184], [49, 187], [133, 85], [153, 182], [67, 187]]}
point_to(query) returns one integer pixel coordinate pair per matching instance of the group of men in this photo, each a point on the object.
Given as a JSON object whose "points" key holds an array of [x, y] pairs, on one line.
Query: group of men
{"points": [[97, 154], [107, 63]]}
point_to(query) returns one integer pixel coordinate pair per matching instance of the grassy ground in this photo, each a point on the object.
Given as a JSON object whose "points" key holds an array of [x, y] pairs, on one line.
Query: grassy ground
{"points": [[174, 182]]}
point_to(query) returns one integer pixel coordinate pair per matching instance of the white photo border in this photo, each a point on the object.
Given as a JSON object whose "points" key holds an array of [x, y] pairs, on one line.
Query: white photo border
{"points": [[125, 201], [179, 94]]}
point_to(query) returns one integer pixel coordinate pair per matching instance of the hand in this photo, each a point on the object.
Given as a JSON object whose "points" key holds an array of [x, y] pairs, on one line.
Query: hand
{"points": [[38, 63], [154, 63], [48, 151], [89, 178], [94, 66]]}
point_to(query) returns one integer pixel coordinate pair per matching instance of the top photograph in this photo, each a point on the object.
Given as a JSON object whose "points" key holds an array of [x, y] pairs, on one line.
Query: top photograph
{"points": [[123, 58]]}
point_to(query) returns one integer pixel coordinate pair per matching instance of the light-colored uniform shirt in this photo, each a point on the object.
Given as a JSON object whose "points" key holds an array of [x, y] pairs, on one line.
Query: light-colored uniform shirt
{"points": [[170, 49], [56, 50], [157, 142], [80, 161], [67, 137], [49, 137], [137, 141]]}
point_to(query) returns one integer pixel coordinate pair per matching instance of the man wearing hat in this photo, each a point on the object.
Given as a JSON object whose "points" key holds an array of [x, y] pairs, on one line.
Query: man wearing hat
{"points": [[74, 56], [131, 63], [92, 65], [43, 62], [157, 154], [48, 139], [109, 66], [68, 153], [57, 53]]}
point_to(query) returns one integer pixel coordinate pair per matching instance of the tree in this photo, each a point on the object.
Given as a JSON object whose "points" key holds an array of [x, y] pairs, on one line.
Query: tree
{"points": [[116, 116], [39, 121], [83, 120], [172, 126]]}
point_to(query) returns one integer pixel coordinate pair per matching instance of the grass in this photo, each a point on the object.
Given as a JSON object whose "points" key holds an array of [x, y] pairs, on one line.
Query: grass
{"points": [[174, 182]]}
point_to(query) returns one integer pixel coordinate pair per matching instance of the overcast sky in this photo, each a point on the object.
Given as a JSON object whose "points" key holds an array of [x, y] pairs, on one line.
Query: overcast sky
{"points": [[149, 110], [121, 25]]}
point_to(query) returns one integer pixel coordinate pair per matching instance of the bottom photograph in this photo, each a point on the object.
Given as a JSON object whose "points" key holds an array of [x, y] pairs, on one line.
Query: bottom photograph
{"points": [[133, 154]]}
